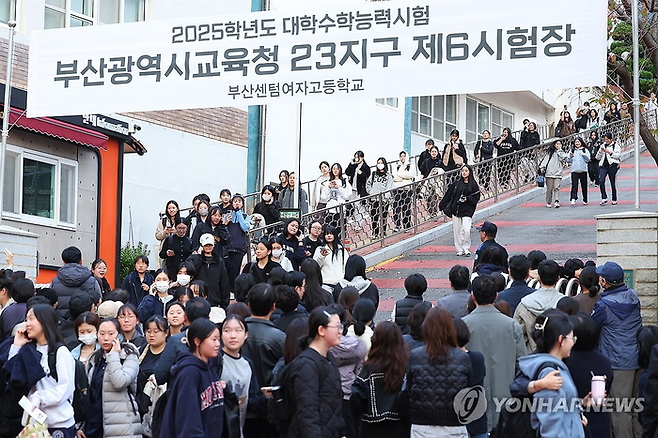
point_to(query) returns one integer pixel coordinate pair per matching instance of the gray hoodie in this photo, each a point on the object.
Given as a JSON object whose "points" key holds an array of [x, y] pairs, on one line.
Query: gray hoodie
{"points": [[532, 305], [556, 413]]}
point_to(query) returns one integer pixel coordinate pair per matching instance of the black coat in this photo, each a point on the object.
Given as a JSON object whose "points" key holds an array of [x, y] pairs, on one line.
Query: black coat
{"points": [[314, 382], [453, 195], [506, 146], [269, 211], [361, 178], [264, 347], [213, 272], [222, 238], [484, 150], [429, 164], [432, 387], [529, 139], [460, 151], [182, 247], [403, 309], [133, 285]]}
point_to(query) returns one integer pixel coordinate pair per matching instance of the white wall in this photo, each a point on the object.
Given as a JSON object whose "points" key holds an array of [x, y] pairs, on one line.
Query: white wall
{"points": [[331, 131], [165, 9], [177, 166]]}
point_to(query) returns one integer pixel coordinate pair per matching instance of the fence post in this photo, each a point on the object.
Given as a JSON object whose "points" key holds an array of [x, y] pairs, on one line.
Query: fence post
{"points": [[414, 196], [382, 223], [343, 223], [496, 174], [517, 161]]}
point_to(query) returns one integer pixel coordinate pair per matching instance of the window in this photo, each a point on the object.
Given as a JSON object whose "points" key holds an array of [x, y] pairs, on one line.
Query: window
{"points": [[434, 116], [74, 13], [389, 101], [38, 188], [477, 119], [500, 119], [7, 10]]}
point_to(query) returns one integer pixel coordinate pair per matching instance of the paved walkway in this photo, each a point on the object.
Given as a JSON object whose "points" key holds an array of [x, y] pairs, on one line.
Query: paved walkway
{"points": [[564, 233]]}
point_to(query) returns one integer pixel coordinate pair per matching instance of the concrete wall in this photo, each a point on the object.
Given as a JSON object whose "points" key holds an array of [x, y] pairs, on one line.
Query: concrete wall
{"points": [[631, 240], [24, 247]]}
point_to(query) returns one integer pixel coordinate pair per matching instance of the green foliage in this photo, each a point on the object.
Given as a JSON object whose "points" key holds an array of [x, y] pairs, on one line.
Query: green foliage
{"points": [[128, 255], [622, 36]]}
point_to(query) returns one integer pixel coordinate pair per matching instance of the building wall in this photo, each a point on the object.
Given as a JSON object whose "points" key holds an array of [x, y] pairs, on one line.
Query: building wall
{"points": [[53, 239]]}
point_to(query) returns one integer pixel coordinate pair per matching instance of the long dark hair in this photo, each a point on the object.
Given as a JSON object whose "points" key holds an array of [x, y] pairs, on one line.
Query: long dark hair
{"points": [[388, 355], [384, 171], [330, 229], [296, 332], [590, 279], [439, 334], [549, 326], [355, 267], [214, 209], [340, 173], [314, 293], [472, 185], [47, 317], [166, 215]]}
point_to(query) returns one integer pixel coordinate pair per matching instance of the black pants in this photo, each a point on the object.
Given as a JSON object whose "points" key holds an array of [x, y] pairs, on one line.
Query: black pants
{"points": [[374, 215], [593, 170], [348, 431], [402, 208], [611, 172], [484, 174], [233, 268], [578, 177]]}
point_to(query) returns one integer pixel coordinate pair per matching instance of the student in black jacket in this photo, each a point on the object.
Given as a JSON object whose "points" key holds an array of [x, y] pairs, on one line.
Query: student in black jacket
{"points": [[210, 268], [505, 144], [358, 170], [454, 153], [314, 380], [175, 249], [460, 202]]}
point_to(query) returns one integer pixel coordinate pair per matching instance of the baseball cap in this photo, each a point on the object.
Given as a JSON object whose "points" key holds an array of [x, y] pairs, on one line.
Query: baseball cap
{"points": [[488, 227], [109, 309], [612, 272], [207, 239]]}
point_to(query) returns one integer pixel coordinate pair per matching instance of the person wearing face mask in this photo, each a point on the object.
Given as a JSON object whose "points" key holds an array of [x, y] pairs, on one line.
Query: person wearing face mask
{"points": [[431, 168], [86, 326], [192, 219], [268, 207], [380, 181], [184, 275], [237, 229], [154, 303], [176, 248]]}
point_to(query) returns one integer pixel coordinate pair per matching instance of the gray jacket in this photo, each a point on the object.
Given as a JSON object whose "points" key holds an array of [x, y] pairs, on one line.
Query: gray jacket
{"points": [[499, 338], [287, 199], [455, 303], [378, 183], [553, 163], [120, 411], [72, 278]]}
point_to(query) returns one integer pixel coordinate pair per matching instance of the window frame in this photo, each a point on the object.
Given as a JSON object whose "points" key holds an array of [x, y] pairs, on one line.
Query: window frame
{"points": [[478, 128], [503, 112], [448, 126], [13, 11], [389, 102], [94, 19], [20, 154]]}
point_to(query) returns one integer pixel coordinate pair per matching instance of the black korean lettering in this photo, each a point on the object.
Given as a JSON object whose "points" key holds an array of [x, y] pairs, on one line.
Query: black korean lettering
{"points": [[307, 49], [204, 30], [217, 31], [177, 33], [331, 55], [190, 34], [450, 46]]}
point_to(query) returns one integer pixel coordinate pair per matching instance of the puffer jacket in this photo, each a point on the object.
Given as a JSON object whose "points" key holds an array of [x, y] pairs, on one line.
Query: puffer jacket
{"points": [[120, 412], [314, 382], [72, 278], [403, 308], [432, 387], [613, 158], [349, 355], [579, 160], [618, 315]]}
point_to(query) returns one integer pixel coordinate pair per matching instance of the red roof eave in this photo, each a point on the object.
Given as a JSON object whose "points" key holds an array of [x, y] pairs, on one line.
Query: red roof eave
{"points": [[58, 129]]}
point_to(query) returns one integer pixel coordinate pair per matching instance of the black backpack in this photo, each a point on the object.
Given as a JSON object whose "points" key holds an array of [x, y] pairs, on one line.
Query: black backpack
{"points": [[515, 423], [158, 413], [81, 394], [140, 399]]}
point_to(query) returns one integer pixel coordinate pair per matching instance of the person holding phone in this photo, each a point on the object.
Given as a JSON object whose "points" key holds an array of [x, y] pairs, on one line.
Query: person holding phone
{"points": [[608, 155], [579, 158], [506, 144], [292, 243], [460, 202], [112, 372], [53, 392]]}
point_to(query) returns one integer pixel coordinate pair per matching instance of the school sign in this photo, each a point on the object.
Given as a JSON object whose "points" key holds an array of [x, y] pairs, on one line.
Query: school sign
{"points": [[363, 50]]}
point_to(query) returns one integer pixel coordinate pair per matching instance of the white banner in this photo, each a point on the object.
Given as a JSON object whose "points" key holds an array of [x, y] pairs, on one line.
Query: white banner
{"points": [[364, 50]]}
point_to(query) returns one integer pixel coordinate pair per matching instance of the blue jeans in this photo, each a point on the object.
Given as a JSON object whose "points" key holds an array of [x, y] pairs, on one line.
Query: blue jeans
{"points": [[611, 172]]}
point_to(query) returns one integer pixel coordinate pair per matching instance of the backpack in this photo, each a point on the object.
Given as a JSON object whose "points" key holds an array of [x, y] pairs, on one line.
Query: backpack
{"points": [[282, 404], [81, 394], [142, 401], [157, 419], [516, 423]]}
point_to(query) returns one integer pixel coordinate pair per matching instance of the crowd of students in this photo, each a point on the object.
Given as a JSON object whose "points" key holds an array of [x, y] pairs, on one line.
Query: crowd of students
{"points": [[291, 356]]}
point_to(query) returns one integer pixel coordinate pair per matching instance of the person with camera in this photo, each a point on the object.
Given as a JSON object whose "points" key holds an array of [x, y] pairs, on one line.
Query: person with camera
{"points": [[551, 167], [578, 159], [565, 126], [460, 202], [529, 136], [609, 155], [292, 244], [167, 224], [380, 181]]}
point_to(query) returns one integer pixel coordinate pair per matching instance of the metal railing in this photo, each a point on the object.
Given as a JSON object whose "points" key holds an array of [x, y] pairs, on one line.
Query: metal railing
{"points": [[374, 219]]}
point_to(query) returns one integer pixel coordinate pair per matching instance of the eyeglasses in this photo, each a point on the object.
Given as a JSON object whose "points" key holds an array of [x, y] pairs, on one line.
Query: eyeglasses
{"points": [[575, 338], [316, 228], [339, 327]]}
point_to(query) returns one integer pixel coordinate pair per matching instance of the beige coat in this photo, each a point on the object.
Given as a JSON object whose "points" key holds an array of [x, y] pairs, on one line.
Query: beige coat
{"points": [[532, 305], [120, 412]]}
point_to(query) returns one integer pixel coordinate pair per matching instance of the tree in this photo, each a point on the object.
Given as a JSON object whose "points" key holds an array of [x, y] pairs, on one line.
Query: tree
{"points": [[620, 55]]}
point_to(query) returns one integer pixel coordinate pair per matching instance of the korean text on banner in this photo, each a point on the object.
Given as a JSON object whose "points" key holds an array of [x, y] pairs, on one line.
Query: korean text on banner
{"points": [[363, 50]]}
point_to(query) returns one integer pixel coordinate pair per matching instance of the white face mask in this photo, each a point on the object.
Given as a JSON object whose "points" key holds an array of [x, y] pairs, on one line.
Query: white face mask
{"points": [[89, 339], [183, 279], [380, 166], [162, 286], [203, 211], [277, 253], [267, 198]]}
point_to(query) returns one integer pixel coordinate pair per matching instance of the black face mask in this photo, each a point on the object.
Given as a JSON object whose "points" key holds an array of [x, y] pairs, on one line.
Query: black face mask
{"points": [[236, 209]]}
